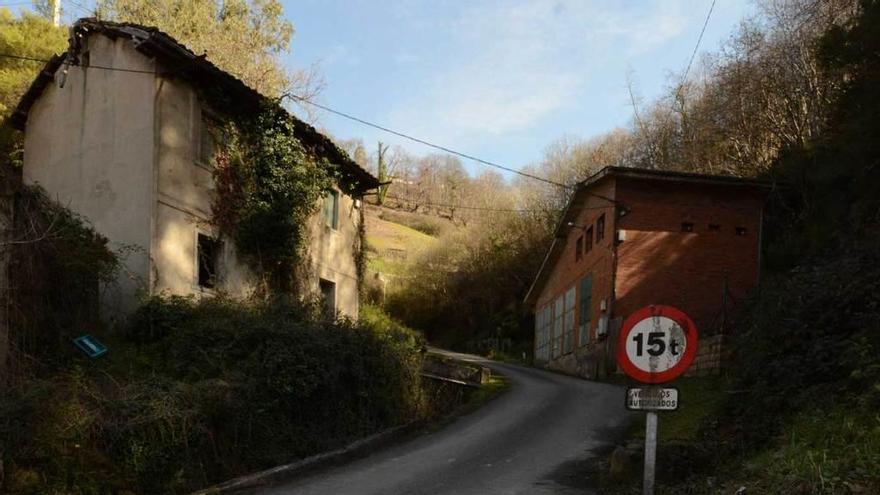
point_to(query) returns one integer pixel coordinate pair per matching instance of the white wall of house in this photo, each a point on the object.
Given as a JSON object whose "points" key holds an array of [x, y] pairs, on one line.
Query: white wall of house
{"points": [[122, 149], [90, 145]]}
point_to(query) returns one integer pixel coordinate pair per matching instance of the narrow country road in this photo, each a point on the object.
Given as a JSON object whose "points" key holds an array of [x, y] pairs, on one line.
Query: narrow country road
{"points": [[534, 439]]}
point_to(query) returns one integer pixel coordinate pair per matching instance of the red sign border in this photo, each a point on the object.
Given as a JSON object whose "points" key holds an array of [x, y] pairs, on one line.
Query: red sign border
{"points": [[678, 316]]}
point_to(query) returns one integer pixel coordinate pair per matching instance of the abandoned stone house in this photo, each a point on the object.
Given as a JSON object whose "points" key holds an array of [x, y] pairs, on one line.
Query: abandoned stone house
{"points": [[632, 237], [118, 130]]}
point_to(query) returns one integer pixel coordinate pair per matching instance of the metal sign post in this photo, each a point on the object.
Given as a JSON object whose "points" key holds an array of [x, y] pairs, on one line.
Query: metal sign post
{"points": [[650, 452], [657, 344]]}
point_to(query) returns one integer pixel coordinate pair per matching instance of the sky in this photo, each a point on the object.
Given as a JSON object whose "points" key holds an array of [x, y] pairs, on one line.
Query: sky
{"points": [[499, 79]]}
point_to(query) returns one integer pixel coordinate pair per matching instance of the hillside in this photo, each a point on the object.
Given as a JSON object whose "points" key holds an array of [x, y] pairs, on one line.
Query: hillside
{"points": [[395, 239]]}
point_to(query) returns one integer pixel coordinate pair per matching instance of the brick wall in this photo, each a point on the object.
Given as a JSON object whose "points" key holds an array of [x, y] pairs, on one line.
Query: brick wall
{"points": [[597, 262], [658, 263]]}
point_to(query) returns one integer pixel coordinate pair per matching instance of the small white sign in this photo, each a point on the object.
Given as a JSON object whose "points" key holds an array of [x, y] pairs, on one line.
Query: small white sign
{"points": [[651, 399]]}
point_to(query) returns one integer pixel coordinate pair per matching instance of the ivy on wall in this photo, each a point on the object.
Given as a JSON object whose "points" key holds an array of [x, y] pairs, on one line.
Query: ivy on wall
{"points": [[268, 186]]}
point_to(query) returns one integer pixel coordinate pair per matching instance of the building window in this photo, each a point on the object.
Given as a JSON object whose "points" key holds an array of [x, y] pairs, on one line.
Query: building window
{"points": [[714, 227], [546, 326], [543, 321], [600, 228], [589, 246], [687, 227], [208, 253], [569, 319], [331, 209], [740, 231], [558, 317], [586, 301], [211, 139], [328, 298], [579, 249]]}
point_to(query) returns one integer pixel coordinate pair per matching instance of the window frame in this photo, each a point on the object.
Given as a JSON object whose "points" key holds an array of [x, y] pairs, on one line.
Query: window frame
{"points": [[579, 249], [333, 221], [207, 121], [585, 305], [600, 228]]}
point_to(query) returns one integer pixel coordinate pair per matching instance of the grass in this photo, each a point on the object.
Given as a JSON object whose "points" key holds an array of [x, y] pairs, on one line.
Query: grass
{"points": [[699, 398]]}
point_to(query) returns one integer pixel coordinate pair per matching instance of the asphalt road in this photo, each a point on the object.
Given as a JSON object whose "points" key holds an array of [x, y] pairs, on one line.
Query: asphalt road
{"points": [[534, 439]]}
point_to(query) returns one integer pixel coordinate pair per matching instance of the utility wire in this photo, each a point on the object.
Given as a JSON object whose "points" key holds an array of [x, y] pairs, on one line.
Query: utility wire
{"points": [[347, 116], [696, 48], [461, 207], [426, 143], [90, 66], [481, 208]]}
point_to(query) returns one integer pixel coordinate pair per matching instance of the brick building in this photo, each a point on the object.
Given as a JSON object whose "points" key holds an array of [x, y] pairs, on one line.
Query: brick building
{"points": [[632, 237]]}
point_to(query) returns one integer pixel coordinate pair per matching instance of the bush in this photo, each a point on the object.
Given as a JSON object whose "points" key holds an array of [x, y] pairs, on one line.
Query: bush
{"points": [[204, 391]]}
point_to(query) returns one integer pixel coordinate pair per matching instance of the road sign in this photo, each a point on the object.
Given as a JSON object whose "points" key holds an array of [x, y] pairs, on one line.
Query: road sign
{"points": [[657, 344], [90, 346], [651, 399]]}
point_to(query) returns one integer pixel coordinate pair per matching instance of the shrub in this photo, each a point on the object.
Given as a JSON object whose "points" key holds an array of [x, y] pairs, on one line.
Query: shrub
{"points": [[206, 390]]}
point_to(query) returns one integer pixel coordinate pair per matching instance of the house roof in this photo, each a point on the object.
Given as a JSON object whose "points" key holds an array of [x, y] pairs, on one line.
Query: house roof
{"points": [[583, 192], [186, 64]]}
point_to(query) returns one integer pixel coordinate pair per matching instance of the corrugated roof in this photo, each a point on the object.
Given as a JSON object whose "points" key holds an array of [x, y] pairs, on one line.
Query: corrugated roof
{"points": [[155, 43]]}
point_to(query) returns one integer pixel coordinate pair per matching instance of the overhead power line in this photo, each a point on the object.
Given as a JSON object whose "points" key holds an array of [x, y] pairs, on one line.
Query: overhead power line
{"points": [[426, 143], [460, 207], [347, 116], [687, 70]]}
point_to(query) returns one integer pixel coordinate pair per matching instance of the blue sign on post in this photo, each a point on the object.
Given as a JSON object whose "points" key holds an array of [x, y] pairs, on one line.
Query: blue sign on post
{"points": [[90, 346]]}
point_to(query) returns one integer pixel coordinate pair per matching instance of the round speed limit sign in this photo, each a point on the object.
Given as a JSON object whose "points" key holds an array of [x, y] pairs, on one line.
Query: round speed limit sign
{"points": [[657, 344]]}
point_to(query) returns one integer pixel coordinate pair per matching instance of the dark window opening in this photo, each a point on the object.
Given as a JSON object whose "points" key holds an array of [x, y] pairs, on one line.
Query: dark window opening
{"points": [[600, 228], [209, 257], [740, 231], [589, 246], [328, 297], [714, 227], [579, 249], [331, 210], [687, 227]]}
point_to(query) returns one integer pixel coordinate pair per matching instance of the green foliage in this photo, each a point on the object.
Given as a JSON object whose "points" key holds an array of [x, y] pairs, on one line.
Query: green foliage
{"points": [[61, 264], [211, 390], [243, 38], [28, 35], [268, 187]]}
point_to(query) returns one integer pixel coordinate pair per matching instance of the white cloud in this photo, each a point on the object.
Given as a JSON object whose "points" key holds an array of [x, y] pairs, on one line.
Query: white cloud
{"points": [[510, 64]]}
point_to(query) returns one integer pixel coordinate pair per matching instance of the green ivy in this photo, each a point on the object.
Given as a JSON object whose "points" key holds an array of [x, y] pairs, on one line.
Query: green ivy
{"points": [[268, 185]]}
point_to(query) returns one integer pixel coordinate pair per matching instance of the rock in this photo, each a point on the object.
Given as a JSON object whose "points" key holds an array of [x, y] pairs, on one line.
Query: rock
{"points": [[619, 465], [741, 490]]}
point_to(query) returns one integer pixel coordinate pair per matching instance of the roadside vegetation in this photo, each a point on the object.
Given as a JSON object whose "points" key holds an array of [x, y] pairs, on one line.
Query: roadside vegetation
{"points": [[796, 408]]}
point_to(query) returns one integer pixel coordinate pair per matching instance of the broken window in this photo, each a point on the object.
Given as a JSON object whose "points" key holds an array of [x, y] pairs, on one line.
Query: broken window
{"points": [[208, 257], [328, 298]]}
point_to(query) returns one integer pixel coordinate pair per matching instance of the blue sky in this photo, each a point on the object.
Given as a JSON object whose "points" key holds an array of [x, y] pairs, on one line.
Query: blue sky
{"points": [[500, 79]]}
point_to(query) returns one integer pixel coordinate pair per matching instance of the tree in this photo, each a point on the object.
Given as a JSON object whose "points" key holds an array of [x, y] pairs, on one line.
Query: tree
{"points": [[32, 36], [243, 38]]}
